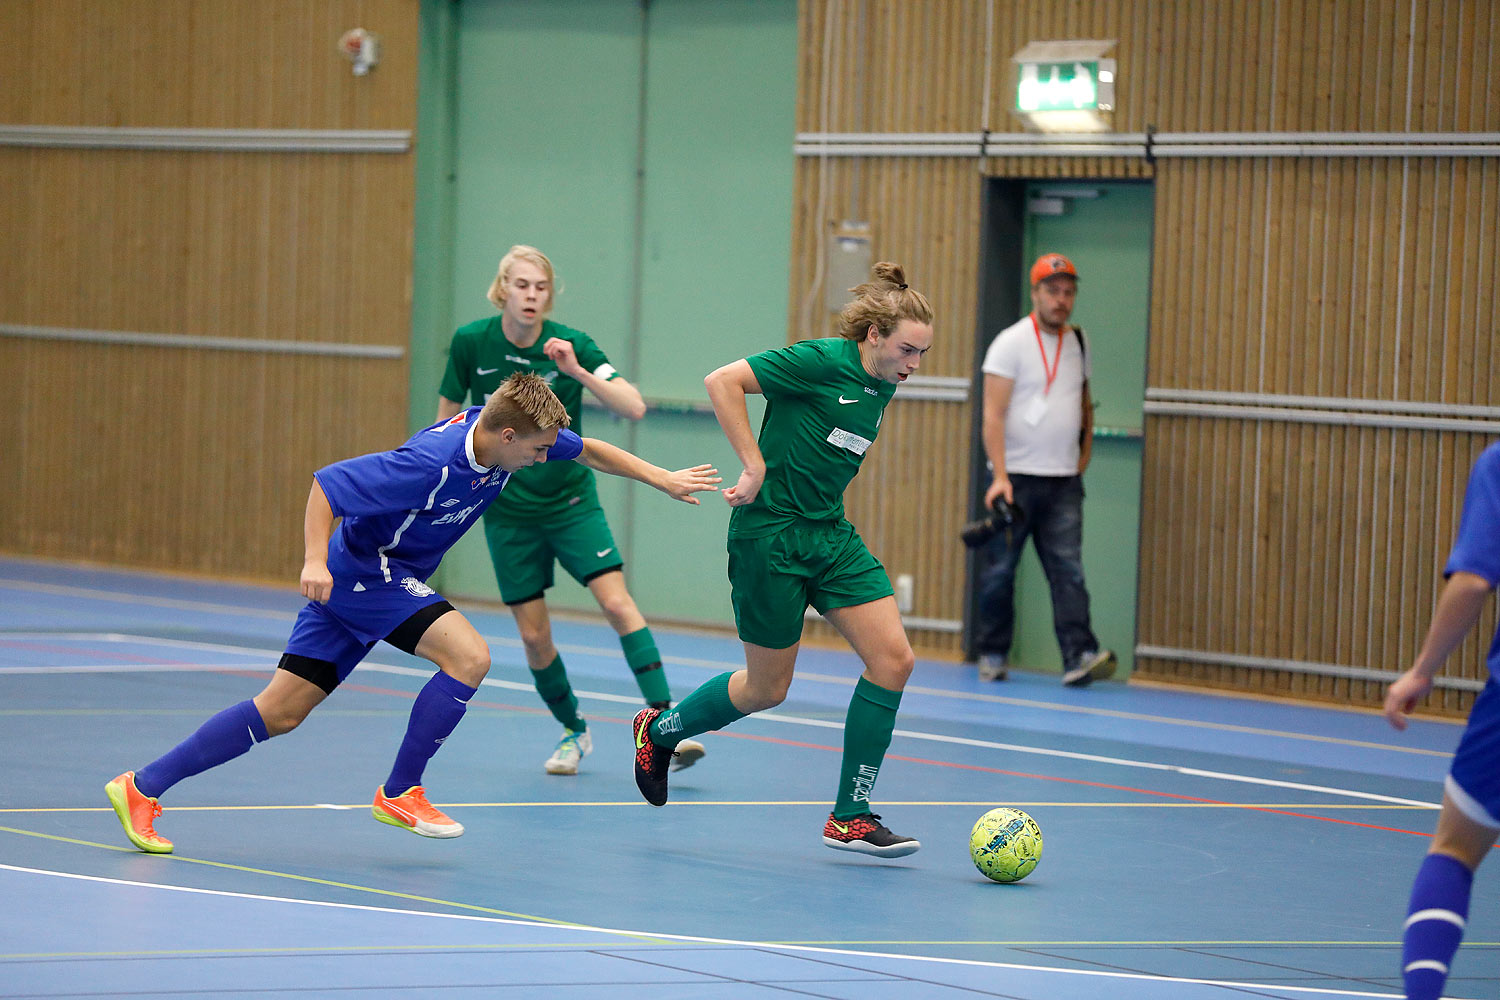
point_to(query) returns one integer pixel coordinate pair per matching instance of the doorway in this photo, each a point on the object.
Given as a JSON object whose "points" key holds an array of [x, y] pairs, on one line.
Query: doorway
{"points": [[1105, 228]]}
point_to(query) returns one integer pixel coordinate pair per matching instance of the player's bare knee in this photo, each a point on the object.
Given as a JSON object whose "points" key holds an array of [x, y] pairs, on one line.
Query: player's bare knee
{"points": [[471, 667], [538, 645], [894, 670], [765, 695], [619, 609], [280, 720]]}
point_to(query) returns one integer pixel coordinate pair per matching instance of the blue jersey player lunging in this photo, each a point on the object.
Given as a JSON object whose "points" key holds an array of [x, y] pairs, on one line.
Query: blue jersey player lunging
{"points": [[365, 582], [1470, 819]]}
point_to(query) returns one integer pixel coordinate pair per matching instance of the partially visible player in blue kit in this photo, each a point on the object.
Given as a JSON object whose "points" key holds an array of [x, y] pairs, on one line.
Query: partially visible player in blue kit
{"points": [[402, 510], [1470, 820]]}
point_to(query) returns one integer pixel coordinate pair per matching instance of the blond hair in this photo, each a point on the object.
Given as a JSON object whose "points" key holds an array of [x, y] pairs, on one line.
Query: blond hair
{"points": [[525, 403], [530, 255], [882, 302]]}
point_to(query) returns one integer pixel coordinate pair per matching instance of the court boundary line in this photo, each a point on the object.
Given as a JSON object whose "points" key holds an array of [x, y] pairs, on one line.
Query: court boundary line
{"points": [[647, 937]]}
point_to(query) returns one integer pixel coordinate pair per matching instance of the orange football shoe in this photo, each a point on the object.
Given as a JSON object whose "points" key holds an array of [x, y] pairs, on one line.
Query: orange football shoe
{"points": [[411, 811], [136, 811]]}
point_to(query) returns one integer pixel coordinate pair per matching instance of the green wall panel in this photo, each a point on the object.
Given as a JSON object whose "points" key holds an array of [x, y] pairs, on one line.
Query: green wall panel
{"points": [[649, 153], [722, 87]]}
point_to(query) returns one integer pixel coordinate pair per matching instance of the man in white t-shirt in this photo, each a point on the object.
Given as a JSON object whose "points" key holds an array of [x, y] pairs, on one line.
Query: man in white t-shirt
{"points": [[1038, 428]]}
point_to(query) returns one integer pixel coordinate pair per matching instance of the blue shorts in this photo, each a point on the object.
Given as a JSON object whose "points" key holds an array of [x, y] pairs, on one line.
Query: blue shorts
{"points": [[1474, 779], [344, 630]]}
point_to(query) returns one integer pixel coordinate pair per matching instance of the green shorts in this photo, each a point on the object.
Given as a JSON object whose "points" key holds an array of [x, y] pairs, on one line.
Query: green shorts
{"points": [[775, 577], [523, 550]]}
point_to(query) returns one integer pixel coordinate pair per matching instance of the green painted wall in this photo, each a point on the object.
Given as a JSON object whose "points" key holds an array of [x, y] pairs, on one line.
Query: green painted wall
{"points": [[648, 152], [1108, 238]]}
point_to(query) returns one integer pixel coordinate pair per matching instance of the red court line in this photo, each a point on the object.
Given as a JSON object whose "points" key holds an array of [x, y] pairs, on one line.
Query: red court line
{"points": [[927, 761]]}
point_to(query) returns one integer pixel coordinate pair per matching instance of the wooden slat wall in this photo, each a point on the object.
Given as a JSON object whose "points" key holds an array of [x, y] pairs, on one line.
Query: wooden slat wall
{"points": [[925, 219], [197, 459], [1364, 279], [1371, 277]]}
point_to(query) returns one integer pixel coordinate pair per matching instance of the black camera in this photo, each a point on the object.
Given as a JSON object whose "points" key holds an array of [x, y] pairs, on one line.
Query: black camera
{"points": [[1005, 517]]}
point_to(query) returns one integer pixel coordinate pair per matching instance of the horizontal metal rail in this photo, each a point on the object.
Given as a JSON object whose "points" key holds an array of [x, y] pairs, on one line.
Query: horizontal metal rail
{"points": [[1341, 403], [1148, 145], [1229, 411], [1294, 666], [192, 342], [250, 140]]}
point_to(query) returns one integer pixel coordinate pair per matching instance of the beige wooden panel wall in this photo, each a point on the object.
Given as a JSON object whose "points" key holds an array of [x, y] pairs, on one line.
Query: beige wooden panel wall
{"points": [[1234, 66], [1367, 279], [1362, 277], [925, 220], [192, 458]]}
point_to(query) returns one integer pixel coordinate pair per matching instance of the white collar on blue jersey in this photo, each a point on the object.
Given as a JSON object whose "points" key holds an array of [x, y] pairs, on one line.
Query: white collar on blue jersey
{"points": [[469, 447]]}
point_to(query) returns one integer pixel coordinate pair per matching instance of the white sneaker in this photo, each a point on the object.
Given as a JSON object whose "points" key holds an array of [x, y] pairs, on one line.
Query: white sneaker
{"points": [[688, 753], [1095, 666], [572, 748], [992, 667]]}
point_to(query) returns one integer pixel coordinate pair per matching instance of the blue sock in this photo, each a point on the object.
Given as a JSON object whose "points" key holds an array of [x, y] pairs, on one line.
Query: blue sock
{"points": [[440, 704], [1434, 925], [222, 738]]}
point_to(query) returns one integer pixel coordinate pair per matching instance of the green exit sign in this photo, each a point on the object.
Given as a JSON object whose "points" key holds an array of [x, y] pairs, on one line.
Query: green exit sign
{"points": [[1063, 86]]}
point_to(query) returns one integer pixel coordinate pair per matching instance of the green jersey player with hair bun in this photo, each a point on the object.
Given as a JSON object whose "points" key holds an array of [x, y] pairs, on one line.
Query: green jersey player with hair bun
{"points": [[790, 545], [552, 513]]}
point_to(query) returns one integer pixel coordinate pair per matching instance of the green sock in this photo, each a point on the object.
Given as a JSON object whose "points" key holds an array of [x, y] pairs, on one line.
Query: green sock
{"points": [[867, 736], [552, 684], [645, 663], [706, 708]]}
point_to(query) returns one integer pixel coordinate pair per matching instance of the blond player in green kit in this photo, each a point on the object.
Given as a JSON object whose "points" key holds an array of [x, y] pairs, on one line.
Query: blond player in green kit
{"points": [[790, 545], [551, 515]]}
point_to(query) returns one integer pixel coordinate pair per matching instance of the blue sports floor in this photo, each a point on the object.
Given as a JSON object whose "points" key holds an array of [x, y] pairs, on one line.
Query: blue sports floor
{"points": [[1196, 847]]}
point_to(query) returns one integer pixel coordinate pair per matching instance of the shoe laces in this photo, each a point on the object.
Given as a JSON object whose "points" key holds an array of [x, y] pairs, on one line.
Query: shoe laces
{"points": [[417, 796]]}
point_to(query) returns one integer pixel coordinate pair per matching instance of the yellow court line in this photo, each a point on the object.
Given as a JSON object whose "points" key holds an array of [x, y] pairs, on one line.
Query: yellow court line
{"points": [[472, 907], [983, 804]]}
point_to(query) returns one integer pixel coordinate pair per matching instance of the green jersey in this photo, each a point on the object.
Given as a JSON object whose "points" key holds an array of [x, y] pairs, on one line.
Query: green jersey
{"points": [[479, 359], [823, 411]]}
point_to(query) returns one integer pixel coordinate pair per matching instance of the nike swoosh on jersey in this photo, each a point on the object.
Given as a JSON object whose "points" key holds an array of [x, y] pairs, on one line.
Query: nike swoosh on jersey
{"points": [[603, 552], [847, 401], [485, 371]]}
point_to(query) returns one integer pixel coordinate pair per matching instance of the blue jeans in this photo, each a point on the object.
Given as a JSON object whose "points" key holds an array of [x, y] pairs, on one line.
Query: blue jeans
{"points": [[1053, 509]]}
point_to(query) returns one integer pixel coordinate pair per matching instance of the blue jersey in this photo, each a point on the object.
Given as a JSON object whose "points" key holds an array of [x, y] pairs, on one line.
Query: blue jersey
{"points": [[1477, 549], [403, 509]]}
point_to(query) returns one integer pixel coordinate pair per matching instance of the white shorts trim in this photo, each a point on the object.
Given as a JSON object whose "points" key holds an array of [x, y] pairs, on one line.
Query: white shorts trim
{"points": [[1468, 805]]}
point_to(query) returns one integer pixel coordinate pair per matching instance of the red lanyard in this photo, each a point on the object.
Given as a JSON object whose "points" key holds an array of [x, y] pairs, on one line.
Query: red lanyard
{"points": [[1056, 358]]}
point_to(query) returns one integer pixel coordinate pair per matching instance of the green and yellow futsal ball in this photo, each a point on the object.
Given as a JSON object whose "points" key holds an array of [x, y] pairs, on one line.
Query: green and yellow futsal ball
{"points": [[1005, 844]]}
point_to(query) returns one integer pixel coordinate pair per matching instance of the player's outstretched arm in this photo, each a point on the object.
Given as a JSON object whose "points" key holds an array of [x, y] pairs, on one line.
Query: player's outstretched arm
{"points": [[602, 456], [317, 528], [1458, 609]]}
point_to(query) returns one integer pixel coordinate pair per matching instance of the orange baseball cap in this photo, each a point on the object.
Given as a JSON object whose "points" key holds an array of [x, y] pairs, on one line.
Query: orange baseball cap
{"points": [[1049, 264]]}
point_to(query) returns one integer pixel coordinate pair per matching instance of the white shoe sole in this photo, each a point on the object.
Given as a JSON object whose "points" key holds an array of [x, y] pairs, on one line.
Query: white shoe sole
{"points": [[569, 765], [862, 847], [689, 752], [1085, 675]]}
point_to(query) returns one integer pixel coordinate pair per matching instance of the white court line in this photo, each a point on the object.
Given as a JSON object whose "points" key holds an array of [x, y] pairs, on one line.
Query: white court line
{"points": [[391, 668], [686, 661], [730, 942]]}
